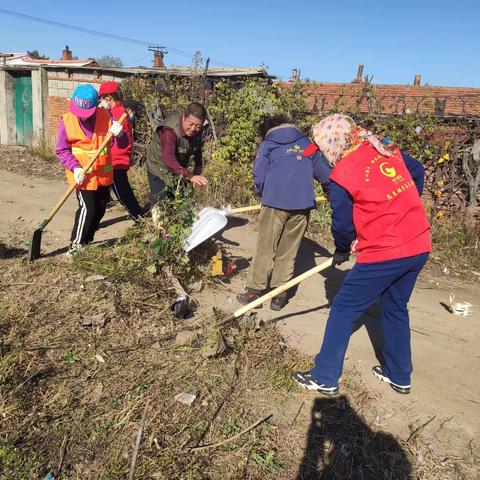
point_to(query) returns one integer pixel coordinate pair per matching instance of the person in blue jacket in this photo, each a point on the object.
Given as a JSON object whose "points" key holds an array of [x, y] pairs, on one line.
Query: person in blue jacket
{"points": [[284, 174]]}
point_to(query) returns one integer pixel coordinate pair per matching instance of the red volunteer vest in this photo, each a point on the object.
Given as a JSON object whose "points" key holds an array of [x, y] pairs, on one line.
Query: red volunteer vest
{"points": [[387, 211], [121, 157]]}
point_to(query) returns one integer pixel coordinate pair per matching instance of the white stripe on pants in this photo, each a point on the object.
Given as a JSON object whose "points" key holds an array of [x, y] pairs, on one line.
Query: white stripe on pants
{"points": [[81, 220]]}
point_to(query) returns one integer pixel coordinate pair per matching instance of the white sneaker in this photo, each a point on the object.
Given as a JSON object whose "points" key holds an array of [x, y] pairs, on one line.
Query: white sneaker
{"points": [[380, 374], [305, 380], [74, 249]]}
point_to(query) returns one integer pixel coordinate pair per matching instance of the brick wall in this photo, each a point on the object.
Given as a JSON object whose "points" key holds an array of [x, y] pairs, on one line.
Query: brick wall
{"points": [[57, 106], [396, 98]]}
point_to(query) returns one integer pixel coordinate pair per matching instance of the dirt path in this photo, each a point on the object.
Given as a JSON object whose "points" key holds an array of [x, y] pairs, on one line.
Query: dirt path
{"points": [[445, 347], [25, 201]]}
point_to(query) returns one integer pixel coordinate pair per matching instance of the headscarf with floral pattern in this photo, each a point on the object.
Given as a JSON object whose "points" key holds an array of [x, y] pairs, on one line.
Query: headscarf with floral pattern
{"points": [[337, 134]]}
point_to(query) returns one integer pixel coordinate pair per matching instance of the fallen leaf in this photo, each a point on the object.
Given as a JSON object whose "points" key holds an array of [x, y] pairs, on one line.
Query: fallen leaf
{"points": [[100, 358], [97, 392], [185, 398], [95, 278], [97, 320]]}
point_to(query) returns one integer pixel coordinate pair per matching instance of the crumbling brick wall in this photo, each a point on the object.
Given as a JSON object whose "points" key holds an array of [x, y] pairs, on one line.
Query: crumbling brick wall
{"points": [[391, 99]]}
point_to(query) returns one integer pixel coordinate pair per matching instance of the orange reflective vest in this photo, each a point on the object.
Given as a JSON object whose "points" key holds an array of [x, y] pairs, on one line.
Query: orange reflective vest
{"points": [[84, 148]]}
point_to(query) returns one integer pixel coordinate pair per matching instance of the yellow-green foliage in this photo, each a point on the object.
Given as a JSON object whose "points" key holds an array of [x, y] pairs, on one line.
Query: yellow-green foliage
{"points": [[236, 113]]}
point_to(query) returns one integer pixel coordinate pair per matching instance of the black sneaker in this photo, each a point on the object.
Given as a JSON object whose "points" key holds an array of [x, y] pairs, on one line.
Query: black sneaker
{"points": [[250, 295], [379, 373], [278, 302], [305, 380]]}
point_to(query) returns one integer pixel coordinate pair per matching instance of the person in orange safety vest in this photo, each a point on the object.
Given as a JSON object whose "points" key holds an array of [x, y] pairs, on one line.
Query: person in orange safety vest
{"points": [[81, 132]]}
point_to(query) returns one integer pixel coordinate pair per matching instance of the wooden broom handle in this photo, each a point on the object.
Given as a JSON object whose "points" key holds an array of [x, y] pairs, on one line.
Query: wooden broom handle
{"points": [[71, 188], [254, 208], [282, 288]]}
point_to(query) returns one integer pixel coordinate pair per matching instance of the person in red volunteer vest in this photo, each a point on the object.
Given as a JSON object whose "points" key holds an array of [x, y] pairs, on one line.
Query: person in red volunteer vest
{"points": [[81, 132], [377, 215], [111, 99]]}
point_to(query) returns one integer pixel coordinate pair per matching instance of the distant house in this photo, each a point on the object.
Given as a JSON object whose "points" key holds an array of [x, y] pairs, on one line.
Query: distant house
{"points": [[34, 93], [26, 60]]}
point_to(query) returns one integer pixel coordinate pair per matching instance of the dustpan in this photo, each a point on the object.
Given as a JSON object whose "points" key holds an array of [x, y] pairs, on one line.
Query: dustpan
{"points": [[208, 224]]}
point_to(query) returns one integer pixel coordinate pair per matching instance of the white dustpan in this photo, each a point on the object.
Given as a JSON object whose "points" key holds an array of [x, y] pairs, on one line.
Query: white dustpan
{"points": [[206, 210], [210, 221]]}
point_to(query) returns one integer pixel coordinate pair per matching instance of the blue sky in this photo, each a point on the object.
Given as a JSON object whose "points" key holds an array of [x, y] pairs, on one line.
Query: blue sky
{"points": [[325, 40]]}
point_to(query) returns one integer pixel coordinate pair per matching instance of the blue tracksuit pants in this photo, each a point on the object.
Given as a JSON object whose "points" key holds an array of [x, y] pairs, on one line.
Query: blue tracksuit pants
{"points": [[393, 282]]}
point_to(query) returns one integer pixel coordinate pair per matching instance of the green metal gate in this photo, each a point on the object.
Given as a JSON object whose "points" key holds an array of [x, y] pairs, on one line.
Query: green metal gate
{"points": [[23, 110]]}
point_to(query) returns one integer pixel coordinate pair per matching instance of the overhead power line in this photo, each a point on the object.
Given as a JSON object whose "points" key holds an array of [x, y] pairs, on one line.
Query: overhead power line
{"points": [[89, 31]]}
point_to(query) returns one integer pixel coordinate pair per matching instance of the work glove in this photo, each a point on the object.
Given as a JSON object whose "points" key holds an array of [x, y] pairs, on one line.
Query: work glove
{"points": [[115, 129], [340, 257], [78, 175]]}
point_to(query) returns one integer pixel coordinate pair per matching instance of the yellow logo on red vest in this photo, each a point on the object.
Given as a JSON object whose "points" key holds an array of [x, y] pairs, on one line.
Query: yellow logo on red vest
{"points": [[387, 170]]}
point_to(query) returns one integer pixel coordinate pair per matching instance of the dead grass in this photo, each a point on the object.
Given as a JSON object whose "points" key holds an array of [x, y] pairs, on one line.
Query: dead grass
{"points": [[80, 360], [138, 180], [45, 150], [456, 245], [27, 163]]}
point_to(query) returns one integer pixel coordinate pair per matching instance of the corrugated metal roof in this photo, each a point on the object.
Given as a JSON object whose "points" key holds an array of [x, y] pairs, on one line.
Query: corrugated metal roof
{"points": [[212, 72], [28, 61], [23, 61]]}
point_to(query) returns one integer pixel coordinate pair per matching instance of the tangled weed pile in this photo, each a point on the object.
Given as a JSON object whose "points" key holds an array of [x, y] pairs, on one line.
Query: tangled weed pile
{"points": [[150, 246]]}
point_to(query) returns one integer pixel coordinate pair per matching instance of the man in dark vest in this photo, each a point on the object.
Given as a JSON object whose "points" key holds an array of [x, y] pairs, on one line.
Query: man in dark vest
{"points": [[175, 145]]}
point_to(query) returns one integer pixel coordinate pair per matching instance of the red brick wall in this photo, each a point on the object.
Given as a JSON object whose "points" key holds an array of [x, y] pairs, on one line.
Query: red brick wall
{"points": [[397, 98], [57, 106]]}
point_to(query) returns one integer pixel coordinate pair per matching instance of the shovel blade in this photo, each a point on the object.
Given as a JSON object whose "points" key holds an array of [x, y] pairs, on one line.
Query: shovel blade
{"points": [[205, 227], [35, 243]]}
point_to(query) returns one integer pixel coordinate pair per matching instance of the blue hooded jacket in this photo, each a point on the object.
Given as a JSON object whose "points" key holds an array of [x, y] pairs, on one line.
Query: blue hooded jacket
{"points": [[283, 176]]}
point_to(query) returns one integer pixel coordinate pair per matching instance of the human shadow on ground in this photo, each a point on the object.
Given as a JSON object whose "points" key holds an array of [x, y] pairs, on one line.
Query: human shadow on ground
{"points": [[341, 446], [100, 243], [308, 252], [113, 221], [233, 222], [11, 252]]}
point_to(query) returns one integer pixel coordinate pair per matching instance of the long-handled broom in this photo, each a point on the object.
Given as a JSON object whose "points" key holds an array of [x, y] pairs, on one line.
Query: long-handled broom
{"points": [[36, 238], [282, 288]]}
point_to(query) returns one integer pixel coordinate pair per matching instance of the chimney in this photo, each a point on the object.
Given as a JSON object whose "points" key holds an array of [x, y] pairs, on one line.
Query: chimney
{"points": [[158, 59], [67, 54], [295, 74], [417, 80], [358, 79]]}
